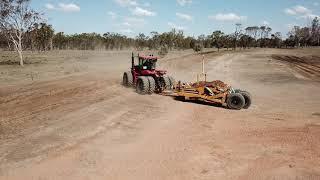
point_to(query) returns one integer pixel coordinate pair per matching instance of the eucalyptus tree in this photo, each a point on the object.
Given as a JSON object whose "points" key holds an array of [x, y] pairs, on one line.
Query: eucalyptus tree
{"points": [[218, 39], [268, 31], [276, 40], [42, 37], [237, 34], [16, 18], [315, 31]]}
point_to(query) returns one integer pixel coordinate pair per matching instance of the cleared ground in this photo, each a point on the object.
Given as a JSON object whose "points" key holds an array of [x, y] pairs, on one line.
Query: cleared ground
{"points": [[68, 117]]}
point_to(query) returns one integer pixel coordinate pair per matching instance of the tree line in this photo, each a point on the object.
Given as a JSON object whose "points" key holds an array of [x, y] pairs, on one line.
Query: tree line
{"points": [[22, 28], [42, 37]]}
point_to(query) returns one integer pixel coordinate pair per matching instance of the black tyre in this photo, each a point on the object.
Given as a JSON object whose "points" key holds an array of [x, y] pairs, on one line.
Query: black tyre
{"points": [[247, 98], [142, 85], [167, 82], [152, 84], [127, 79], [235, 101], [172, 82], [239, 91]]}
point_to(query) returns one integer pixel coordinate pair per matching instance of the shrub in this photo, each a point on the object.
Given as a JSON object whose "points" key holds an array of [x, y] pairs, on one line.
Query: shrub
{"points": [[198, 47]]}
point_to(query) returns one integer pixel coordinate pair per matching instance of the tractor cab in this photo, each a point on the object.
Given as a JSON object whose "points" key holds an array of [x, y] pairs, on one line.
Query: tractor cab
{"points": [[144, 62]]}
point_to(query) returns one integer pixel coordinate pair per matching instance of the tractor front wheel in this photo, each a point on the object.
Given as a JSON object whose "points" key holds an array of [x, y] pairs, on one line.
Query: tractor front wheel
{"points": [[127, 79], [143, 86], [152, 85], [235, 101], [166, 83]]}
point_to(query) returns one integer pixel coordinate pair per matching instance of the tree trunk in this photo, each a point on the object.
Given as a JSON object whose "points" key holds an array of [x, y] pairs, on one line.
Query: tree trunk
{"points": [[19, 48], [21, 58], [51, 44], [9, 45]]}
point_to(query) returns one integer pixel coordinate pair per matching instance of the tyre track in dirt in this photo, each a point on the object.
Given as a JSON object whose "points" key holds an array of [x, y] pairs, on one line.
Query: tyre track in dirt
{"points": [[29, 106], [307, 65], [38, 122]]}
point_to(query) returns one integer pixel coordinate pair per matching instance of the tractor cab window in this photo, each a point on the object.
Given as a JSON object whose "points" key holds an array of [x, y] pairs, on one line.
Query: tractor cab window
{"points": [[150, 64], [147, 64], [153, 64]]}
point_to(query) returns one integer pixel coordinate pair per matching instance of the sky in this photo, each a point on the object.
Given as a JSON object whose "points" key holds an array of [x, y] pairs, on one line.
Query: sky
{"points": [[194, 17]]}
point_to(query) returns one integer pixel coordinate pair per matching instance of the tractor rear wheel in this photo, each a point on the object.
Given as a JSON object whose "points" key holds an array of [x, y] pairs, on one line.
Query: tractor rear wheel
{"points": [[172, 82], [142, 85], [167, 83], [235, 101], [152, 84], [127, 79]]}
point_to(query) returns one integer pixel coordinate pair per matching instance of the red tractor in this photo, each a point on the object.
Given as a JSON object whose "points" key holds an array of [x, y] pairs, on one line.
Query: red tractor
{"points": [[145, 77]]}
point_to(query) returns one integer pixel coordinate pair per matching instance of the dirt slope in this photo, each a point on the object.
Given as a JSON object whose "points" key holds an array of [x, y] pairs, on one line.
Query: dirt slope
{"points": [[87, 126]]}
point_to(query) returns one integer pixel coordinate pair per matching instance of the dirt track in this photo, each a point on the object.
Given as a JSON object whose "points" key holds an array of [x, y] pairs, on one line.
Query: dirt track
{"points": [[87, 126]]}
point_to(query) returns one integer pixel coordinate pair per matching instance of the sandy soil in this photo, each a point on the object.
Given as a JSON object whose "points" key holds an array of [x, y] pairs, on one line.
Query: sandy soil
{"points": [[68, 117]]}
